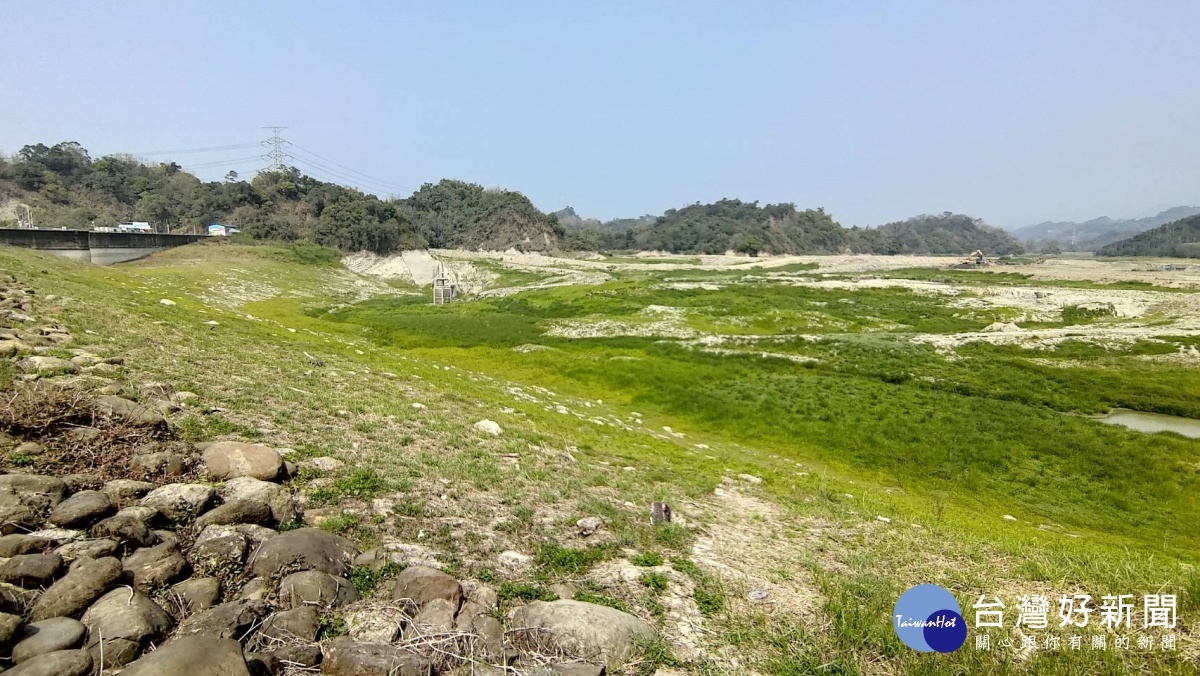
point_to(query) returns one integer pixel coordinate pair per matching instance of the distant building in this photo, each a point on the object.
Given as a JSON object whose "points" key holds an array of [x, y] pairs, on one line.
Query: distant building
{"points": [[220, 230], [135, 226]]}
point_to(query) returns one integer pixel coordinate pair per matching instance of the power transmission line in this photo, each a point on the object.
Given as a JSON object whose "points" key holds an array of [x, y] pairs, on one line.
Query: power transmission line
{"points": [[373, 185], [374, 179], [276, 155], [239, 160], [195, 150]]}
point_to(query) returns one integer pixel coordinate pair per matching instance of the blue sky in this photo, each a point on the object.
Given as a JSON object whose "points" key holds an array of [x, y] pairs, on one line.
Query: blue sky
{"points": [[1016, 112]]}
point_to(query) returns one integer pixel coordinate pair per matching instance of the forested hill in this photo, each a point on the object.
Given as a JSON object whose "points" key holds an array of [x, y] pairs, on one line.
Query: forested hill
{"points": [[1179, 239], [65, 187], [945, 233], [745, 227]]}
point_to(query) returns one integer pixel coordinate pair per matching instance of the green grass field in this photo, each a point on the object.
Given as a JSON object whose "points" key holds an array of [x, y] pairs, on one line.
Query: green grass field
{"points": [[849, 423]]}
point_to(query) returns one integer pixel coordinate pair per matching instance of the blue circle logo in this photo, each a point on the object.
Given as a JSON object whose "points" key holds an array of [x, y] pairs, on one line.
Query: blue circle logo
{"points": [[927, 618]]}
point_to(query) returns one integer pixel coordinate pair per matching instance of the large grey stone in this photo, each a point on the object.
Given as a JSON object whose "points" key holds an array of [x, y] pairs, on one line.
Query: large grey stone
{"points": [[82, 509], [290, 625], [128, 411], [236, 512], [218, 547], [123, 490], [346, 657], [278, 498], [9, 624], [84, 582], [39, 638], [126, 529], [587, 630], [228, 620], [16, 600], [225, 460], [12, 545], [300, 656], [30, 570], [179, 502], [43, 364], [192, 656], [152, 567], [422, 584], [304, 549], [312, 587], [436, 616], [94, 548], [32, 490], [124, 615], [58, 663], [196, 594]]}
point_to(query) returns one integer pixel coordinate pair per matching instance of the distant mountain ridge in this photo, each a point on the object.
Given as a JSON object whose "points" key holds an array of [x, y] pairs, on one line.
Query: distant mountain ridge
{"points": [[1177, 239], [1098, 232]]}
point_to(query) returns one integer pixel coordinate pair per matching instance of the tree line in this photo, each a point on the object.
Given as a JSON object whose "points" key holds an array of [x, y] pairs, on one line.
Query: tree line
{"points": [[65, 187]]}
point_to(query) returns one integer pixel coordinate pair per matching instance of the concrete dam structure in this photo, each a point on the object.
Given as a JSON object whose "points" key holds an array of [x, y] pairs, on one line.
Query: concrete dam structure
{"points": [[102, 248]]}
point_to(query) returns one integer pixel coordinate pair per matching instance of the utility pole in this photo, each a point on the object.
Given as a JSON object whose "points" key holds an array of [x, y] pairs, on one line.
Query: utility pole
{"points": [[276, 155]]}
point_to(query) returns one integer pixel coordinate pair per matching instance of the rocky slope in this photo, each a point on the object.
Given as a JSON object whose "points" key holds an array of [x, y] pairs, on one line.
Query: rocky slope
{"points": [[126, 548]]}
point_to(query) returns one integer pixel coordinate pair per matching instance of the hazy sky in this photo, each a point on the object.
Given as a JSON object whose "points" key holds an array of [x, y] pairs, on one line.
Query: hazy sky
{"points": [[1016, 112]]}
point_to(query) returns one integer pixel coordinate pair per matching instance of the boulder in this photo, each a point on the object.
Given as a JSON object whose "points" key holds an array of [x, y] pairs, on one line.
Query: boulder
{"points": [[179, 502], [58, 536], [30, 570], [196, 594], [39, 638], [84, 582], [123, 490], [158, 464], [125, 529], [17, 600], [374, 624], [96, 548], [301, 623], [489, 427], [226, 460], [422, 584], [300, 656], [82, 509], [304, 549], [322, 464], [57, 663], [128, 411], [218, 547], [142, 513], [151, 567], [263, 664], [278, 498], [17, 518], [346, 657], [312, 587], [9, 625], [126, 616], [437, 616], [32, 490], [192, 656], [588, 630], [235, 512], [43, 364], [82, 481], [228, 620], [19, 543]]}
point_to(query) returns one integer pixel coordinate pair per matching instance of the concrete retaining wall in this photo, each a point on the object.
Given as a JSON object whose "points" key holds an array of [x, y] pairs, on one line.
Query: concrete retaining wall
{"points": [[102, 248]]}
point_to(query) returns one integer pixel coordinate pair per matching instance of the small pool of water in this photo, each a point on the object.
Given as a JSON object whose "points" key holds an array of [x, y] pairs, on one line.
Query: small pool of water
{"points": [[1153, 422]]}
